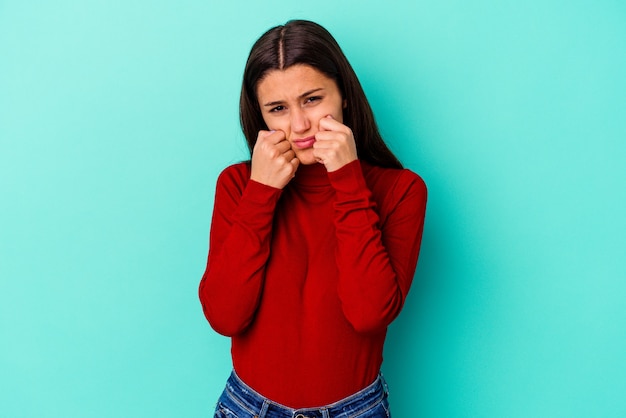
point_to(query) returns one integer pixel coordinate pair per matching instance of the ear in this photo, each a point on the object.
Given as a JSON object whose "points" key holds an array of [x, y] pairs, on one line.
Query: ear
{"points": [[345, 103]]}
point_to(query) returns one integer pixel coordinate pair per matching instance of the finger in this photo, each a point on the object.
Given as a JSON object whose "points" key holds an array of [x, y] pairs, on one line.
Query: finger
{"points": [[262, 136], [289, 155], [329, 123], [325, 136], [282, 146], [322, 125], [274, 137], [321, 153]]}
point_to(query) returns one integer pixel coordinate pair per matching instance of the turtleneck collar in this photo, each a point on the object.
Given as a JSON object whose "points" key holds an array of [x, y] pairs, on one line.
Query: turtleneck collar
{"points": [[311, 175]]}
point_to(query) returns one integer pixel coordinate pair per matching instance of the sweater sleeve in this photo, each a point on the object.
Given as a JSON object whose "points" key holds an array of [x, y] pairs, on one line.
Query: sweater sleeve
{"points": [[376, 261], [239, 247]]}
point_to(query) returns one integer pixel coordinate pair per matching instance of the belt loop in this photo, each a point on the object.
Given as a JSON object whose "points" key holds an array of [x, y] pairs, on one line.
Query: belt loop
{"points": [[264, 408], [325, 413], [384, 382]]}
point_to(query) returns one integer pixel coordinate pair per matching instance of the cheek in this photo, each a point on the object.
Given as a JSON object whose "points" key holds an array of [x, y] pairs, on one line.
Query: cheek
{"points": [[338, 111], [267, 121], [339, 116], [335, 111], [280, 124], [273, 124]]}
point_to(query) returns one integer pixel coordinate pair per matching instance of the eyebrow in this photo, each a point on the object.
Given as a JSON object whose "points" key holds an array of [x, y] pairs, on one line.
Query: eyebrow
{"points": [[302, 96]]}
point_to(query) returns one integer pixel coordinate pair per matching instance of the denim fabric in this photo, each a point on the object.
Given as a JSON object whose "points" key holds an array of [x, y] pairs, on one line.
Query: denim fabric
{"points": [[240, 401]]}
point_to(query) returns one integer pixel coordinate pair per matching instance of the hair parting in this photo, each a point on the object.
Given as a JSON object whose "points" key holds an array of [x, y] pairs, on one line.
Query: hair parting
{"points": [[281, 49]]}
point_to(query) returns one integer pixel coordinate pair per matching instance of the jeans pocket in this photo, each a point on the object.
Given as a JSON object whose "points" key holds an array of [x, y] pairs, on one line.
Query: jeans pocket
{"points": [[380, 410]]}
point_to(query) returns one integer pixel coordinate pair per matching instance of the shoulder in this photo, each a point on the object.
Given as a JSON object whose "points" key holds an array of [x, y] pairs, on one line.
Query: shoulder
{"points": [[397, 181], [236, 175], [396, 191]]}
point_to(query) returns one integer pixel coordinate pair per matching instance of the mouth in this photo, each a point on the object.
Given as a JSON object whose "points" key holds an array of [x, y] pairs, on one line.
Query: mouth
{"points": [[303, 143]]}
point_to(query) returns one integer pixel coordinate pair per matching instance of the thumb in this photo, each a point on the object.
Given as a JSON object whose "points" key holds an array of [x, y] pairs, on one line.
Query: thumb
{"points": [[322, 122]]}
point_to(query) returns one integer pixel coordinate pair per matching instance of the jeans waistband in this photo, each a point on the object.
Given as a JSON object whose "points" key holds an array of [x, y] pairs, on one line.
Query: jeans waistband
{"points": [[261, 407]]}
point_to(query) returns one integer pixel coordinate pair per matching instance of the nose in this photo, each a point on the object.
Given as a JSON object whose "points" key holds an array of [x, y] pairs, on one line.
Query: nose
{"points": [[300, 122]]}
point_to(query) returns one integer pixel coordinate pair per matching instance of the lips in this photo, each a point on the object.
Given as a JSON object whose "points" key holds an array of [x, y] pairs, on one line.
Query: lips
{"points": [[304, 142]]}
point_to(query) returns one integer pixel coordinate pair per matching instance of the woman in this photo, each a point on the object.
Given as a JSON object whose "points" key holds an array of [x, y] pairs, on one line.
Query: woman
{"points": [[314, 242]]}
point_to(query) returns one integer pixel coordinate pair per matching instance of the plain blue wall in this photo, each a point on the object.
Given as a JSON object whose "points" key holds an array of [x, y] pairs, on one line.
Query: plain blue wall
{"points": [[117, 116]]}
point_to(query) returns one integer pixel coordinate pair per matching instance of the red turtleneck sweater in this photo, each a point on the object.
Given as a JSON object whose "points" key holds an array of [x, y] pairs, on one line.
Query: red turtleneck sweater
{"points": [[306, 279]]}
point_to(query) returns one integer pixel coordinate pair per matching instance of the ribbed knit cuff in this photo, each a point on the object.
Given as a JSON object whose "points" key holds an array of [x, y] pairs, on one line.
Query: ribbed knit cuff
{"points": [[261, 193], [348, 179]]}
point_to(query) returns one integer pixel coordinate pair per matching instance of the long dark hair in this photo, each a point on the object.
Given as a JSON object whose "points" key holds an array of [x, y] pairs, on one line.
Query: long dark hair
{"points": [[305, 42]]}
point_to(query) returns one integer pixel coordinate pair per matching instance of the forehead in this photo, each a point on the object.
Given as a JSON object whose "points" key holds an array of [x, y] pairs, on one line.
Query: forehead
{"points": [[292, 82]]}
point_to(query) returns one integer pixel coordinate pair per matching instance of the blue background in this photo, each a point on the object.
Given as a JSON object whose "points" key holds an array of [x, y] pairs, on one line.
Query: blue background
{"points": [[116, 117]]}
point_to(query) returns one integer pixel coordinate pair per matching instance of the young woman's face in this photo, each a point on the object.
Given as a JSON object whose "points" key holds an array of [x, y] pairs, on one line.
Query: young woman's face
{"points": [[294, 100]]}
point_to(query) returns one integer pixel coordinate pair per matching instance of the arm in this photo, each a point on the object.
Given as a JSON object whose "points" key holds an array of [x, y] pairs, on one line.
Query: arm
{"points": [[376, 262], [241, 229], [238, 250]]}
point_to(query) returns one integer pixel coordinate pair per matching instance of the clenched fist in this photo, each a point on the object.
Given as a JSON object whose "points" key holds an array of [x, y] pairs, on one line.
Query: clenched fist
{"points": [[334, 146], [274, 163]]}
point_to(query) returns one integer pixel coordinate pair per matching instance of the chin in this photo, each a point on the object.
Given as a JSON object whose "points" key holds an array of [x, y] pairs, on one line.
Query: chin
{"points": [[306, 157]]}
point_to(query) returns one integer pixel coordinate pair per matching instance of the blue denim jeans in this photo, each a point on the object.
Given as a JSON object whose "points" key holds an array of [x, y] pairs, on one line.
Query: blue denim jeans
{"points": [[240, 401]]}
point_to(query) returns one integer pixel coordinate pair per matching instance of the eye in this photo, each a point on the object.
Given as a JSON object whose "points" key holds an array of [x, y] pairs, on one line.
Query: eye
{"points": [[277, 109], [313, 99]]}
